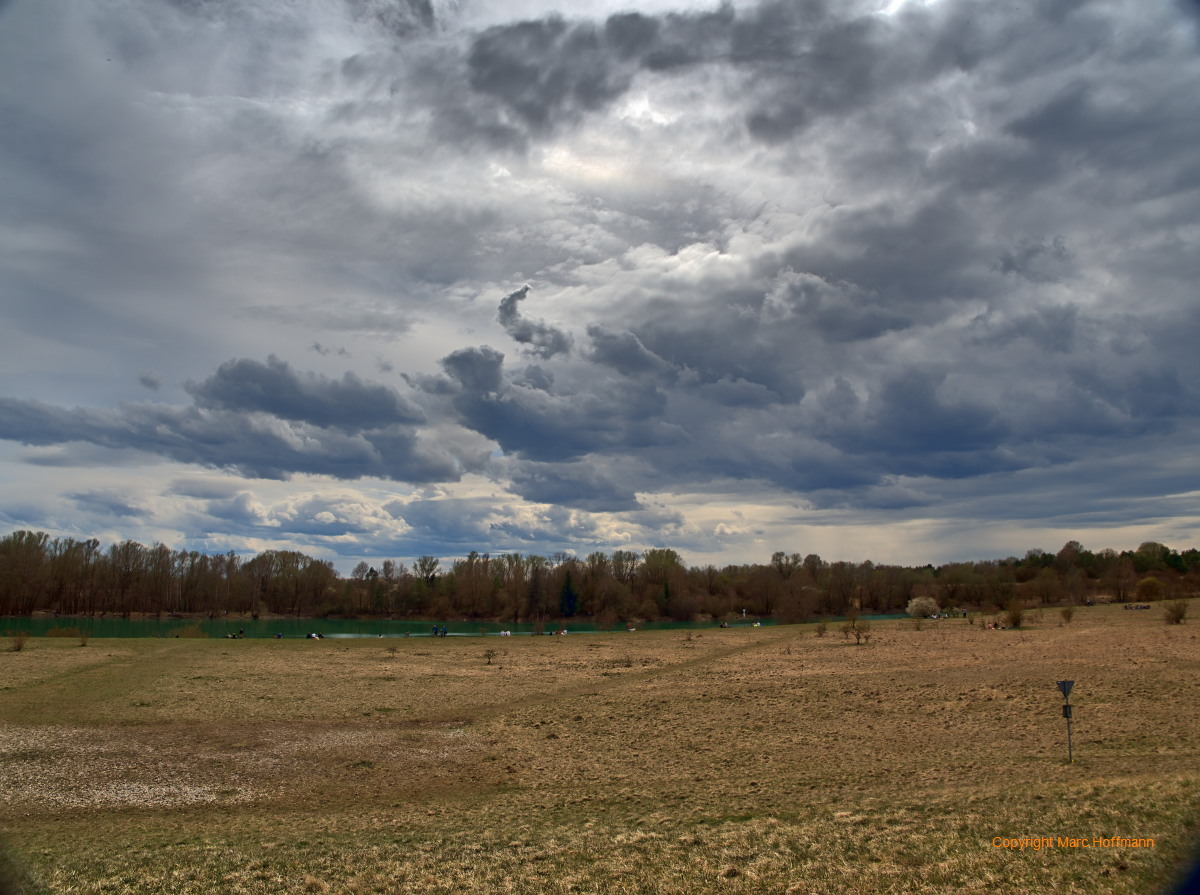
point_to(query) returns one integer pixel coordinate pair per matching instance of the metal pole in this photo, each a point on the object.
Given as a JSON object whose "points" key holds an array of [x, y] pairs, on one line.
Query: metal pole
{"points": [[1065, 688]]}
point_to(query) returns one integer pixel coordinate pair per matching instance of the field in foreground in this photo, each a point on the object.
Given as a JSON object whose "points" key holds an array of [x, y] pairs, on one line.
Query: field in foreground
{"points": [[747, 760]]}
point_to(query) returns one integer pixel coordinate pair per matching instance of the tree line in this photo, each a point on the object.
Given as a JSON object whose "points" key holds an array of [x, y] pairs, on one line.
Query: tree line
{"points": [[79, 577]]}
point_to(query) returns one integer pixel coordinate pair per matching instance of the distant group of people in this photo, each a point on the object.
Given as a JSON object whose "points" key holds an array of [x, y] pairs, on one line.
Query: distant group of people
{"points": [[315, 636], [1137, 605], [241, 633], [439, 632]]}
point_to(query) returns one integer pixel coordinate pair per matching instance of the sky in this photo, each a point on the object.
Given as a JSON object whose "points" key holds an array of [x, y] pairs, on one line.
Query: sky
{"points": [[894, 280]]}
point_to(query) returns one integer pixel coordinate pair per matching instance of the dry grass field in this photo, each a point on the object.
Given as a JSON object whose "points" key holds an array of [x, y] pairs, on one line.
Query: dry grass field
{"points": [[746, 760]]}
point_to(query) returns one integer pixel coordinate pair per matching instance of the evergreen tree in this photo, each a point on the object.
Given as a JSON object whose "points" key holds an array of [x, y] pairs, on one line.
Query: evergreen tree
{"points": [[568, 598]]}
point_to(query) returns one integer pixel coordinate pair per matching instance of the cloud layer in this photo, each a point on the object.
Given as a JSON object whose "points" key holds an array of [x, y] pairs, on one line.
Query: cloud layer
{"points": [[419, 277]]}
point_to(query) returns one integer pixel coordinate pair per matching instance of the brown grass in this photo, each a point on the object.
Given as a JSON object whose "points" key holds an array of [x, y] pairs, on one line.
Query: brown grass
{"points": [[741, 760]]}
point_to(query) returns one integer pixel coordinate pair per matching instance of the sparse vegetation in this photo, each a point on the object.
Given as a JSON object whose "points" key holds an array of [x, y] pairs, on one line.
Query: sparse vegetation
{"points": [[18, 641], [1014, 613], [856, 627], [614, 763], [1175, 612], [1066, 614]]}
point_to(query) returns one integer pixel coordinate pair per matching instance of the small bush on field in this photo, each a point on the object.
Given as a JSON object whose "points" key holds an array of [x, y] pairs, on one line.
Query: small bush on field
{"points": [[858, 628], [1067, 613], [1014, 612], [63, 632], [1175, 612], [18, 641], [821, 629], [83, 638], [922, 607], [189, 631]]}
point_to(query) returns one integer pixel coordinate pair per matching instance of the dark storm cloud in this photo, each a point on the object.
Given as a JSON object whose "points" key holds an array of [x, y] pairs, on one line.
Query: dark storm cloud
{"points": [[797, 63], [916, 430], [275, 388], [106, 503], [827, 71], [535, 377], [546, 71], [728, 344], [259, 420], [1054, 328], [802, 61], [623, 351], [478, 370], [1085, 125], [730, 391], [911, 260], [579, 485], [544, 340], [848, 259], [559, 426], [1034, 259], [837, 311]]}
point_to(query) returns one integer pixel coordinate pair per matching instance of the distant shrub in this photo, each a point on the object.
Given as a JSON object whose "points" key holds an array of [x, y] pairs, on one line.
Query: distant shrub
{"points": [[1149, 589], [1175, 612], [83, 638], [922, 607], [821, 629], [858, 628], [1014, 613], [19, 639], [189, 631], [1067, 613]]}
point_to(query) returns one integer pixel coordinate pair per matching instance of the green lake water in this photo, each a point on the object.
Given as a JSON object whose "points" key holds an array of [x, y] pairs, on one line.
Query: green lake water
{"points": [[291, 628]]}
